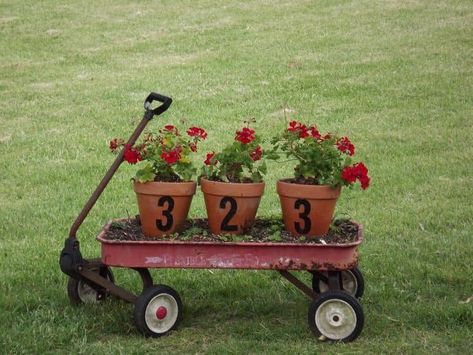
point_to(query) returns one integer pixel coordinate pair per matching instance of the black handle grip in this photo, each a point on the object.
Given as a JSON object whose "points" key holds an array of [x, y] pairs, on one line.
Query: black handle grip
{"points": [[166, 102]]}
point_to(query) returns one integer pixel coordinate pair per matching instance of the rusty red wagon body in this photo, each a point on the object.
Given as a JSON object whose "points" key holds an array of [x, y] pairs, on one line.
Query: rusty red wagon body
{"points": [[337, 283], [228, 255]]}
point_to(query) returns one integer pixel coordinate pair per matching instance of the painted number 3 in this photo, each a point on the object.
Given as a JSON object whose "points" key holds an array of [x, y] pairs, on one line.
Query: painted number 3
{"points": [[304, 227], [169, 202]]}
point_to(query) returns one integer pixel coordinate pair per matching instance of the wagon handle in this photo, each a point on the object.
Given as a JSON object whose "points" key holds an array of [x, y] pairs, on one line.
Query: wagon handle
{"points": [[148, 116], [166, 102]]}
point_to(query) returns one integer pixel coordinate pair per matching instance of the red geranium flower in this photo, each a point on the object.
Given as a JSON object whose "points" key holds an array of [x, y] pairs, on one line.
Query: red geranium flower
{"points": [[349, 174], [303, 132], [115, 143], [245, 136], [172, 156], [256, 154], [362, 169], [365, 182], [314, 132], [197, 132], [209, 160], [294, 126], [172, 129], [299, 128], [131, 155], [357, 171], [345, 146]]}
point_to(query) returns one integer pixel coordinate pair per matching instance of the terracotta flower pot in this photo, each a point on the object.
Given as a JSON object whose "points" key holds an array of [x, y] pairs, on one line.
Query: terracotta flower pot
{"points": [[307, 209], [163, 206], [231, 207]]}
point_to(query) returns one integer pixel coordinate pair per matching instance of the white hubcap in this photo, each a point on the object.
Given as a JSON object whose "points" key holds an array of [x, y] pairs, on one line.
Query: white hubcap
{"points": [[161, 313], [335, 319]]}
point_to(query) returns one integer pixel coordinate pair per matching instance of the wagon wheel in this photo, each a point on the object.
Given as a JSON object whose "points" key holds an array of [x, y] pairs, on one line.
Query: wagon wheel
{"points": [[80, 291], [335, 315], [351, 281], [158, 310]]}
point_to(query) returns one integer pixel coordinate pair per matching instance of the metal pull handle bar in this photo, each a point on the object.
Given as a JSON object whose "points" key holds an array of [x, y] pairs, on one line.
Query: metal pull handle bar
{"points": [[148, 116]]}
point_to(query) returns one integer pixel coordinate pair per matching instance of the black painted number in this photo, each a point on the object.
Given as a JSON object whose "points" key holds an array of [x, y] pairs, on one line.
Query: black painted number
{"points": [[233, 208], [304, 215], [166, 213]]}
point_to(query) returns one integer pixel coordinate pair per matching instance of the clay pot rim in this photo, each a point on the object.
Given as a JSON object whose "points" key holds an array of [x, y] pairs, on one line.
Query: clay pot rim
{"points": [[244, 189], [184, 188], [290, 189]]}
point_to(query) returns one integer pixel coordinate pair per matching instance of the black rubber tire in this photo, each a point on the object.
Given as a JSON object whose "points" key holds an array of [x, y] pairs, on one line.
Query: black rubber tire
{"points": [[75, 288], [346, 302], [146, 298], [355, 273]]}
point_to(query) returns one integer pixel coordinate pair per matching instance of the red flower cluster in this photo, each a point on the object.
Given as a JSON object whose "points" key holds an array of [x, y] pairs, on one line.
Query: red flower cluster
{"points": [[245, 136], [167, 153], [171, 128], [314, 132], [197, 132], [116, 143], [303, 130], [256, 154], [345, 146], [172, 156], [131, 155], [358, 171], [208, 160], [299, 128]]}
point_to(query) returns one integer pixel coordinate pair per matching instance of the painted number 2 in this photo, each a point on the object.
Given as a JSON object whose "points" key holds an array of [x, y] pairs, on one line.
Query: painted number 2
{"points": [[233, 208], [166, 213], [304, 216]]}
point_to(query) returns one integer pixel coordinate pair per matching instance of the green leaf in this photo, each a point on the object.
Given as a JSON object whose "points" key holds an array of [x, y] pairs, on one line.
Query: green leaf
{"points": [[145, 174], [256, 177], [272, 155], [263, 168], [275, 237]]}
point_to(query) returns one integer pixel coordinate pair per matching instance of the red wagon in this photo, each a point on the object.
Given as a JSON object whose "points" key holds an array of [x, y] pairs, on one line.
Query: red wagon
{"points": [[334, 312]]}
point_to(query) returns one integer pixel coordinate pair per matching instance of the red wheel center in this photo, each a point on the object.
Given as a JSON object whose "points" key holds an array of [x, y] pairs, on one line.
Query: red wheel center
{"points": [[161, 312]]}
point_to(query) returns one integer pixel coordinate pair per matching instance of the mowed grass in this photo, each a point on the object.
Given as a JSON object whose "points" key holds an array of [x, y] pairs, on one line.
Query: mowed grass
{"points": [[396, 76]]}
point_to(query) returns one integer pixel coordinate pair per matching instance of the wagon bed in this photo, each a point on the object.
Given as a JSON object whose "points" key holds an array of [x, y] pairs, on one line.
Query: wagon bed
{"points": [[131, 249]]}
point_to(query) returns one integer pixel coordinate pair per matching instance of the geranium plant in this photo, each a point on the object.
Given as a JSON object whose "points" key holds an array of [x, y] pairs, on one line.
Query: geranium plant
{"points": [[239, 162], [321, 159], [165, 156]]}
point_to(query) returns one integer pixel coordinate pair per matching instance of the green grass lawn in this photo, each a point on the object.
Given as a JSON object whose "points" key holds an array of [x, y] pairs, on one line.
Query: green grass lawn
{"points": [[396, 76]]}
